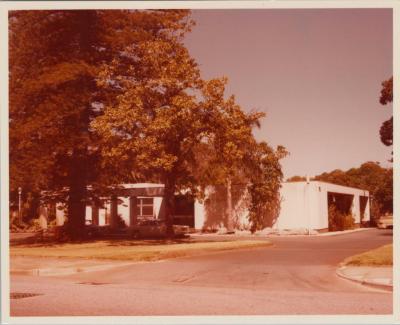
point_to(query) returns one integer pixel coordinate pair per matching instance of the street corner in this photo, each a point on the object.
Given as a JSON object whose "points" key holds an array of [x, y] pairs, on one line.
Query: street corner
{"points": [[380, 277]]}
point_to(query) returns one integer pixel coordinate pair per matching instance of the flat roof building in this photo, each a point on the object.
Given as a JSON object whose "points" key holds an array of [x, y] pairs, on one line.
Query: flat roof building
{"points": [[304, 205]]}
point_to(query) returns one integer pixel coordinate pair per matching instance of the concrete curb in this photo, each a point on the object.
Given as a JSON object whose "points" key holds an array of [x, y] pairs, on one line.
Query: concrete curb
{"points": [[65, 270], [378, 283], [239, 235], [344, 232]]}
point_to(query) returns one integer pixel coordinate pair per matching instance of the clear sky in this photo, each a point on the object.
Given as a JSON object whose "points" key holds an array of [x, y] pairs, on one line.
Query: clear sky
{"points": [[316, 74]]}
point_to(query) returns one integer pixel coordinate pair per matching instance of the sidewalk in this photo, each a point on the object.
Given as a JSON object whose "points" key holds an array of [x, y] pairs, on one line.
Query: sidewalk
{"points": [[378, 277], [45, 266], [273, 233]]}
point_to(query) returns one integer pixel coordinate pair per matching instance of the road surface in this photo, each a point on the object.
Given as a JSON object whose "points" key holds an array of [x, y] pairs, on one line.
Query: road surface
{"points": [[295, 276]]}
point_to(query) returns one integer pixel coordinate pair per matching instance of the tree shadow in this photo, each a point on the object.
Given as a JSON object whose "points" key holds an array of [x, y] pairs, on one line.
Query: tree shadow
{"points": [[109, 240]]}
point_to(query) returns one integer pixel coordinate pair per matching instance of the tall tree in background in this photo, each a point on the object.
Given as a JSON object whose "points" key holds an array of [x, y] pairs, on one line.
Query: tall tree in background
{"points": [[386, 130], [57, 90]]}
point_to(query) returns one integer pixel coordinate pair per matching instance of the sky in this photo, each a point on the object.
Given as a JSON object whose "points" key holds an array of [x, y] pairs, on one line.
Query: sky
{"points": [[315, 73]]}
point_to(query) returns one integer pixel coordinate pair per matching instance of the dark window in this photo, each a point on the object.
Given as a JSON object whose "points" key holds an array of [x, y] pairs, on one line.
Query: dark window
{"points": [[145, 207]]}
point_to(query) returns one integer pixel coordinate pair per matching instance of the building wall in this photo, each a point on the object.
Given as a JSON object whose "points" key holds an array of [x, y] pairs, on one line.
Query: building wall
{"points": [[60, 215], [199, 215], [159, 207], [293, 206], [123, 210], [303, 206]]}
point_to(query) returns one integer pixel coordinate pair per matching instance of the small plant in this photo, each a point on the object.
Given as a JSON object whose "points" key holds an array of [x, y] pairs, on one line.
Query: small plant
{"points": [[338, 220], [121, 224], [16, 225]]}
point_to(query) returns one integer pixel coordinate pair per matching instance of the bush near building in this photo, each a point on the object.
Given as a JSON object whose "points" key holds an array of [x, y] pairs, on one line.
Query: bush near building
{"points": [[339, 221]]}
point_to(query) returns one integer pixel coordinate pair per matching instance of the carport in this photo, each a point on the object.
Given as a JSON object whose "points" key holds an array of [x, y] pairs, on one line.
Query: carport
{"points": [[306, 204]]}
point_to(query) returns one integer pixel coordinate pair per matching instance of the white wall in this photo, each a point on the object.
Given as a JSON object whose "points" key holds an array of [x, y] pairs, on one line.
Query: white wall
{"points": [[102, 214], [293, 206], [88, 213], [158, 207], [303, 205], [123, 209], [60, 215], [199, 215]]}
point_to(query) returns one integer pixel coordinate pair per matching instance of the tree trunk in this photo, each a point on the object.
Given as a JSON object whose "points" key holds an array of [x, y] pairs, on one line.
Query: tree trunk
{"points": [[77, 195], [169, 197], [229, 210]]}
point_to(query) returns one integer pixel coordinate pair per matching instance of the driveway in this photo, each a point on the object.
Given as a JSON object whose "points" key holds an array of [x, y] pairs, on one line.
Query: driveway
{"points": [[295, 276]]}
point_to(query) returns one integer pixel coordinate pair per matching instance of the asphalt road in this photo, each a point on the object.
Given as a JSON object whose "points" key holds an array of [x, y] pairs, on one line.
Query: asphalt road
{"points": [[295, 276]]}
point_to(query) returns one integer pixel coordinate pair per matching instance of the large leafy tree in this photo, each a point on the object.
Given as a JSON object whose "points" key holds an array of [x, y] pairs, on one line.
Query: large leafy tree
{"points": [[231, 141], [58, 60], [151, 131], [177, 129], [237, 159], [100, 97]]}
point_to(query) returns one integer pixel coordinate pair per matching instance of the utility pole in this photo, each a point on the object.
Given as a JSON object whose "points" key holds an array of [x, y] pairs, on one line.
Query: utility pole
{"points": [[229, 210], [307, 198], [19, 205]]}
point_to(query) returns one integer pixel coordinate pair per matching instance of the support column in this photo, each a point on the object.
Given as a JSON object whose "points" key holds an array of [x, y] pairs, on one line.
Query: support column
{"points": [[95, 214], [60, 216], [132, 210], [229, 210], [114, 212], [199, 215], [356, 209], [367, 212], [43, 216]]}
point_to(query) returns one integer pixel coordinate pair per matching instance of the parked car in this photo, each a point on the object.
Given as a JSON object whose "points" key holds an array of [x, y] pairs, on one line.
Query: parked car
{"points": [[156, 228], [385, 222]]}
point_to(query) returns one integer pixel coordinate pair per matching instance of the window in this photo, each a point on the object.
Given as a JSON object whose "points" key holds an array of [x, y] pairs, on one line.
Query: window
{"points": [[145, 207]]}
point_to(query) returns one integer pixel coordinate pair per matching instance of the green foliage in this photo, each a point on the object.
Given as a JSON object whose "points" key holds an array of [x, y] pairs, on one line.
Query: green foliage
{"points": [[386, 130], [121, 224], [386, 92], [216, 203], [339, 221], [66, 67], [296, 179], [99, 97], [265, 181]]}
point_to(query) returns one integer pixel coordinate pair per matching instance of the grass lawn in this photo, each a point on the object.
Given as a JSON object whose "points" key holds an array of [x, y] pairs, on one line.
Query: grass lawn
{"points": [[132, 250], [382, 256]]}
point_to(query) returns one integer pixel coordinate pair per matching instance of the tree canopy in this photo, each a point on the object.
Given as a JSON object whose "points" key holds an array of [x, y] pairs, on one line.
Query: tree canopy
{"points": [[386, 130], [57, 60], [99, 97]]}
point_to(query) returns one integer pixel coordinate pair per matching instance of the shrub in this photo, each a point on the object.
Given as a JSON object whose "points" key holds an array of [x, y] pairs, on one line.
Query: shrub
{"points": [[121, 224], [339, 221]]}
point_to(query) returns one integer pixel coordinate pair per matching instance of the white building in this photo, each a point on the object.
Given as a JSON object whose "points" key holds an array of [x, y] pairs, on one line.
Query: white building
{"points": [[304, 205], [310, 202]]}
